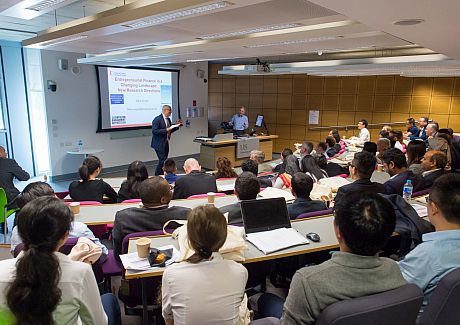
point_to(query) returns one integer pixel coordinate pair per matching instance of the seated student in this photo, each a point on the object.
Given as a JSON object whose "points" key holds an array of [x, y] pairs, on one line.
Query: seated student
{"points": [[321, 150], [395, 164], [155, 195], [259, 157], [340, 144], [364, 134], [370, 147], [397, 137], [433, 164], [311, 168], [362, 229], [205, 288], [411, 128], [415, 151], [421, 135], [170, 169], [437, 255], [384, 134], [9, 170], [89, 188], [247, 187], [43, 286], [361, 169], [39, 189], [383, 144], [129, 189], [279, 168], [306, 149], [331, 149], [331, 169], [301, 186], [224, 168], [291, 167], [195, 181], [251, 166]]}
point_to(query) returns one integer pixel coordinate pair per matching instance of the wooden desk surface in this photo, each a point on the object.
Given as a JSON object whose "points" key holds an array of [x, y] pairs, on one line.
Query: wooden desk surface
{"points": [[220, 143], [323, 226]]}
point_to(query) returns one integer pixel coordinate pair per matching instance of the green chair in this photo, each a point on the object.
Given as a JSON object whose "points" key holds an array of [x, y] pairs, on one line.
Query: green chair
{"points": [[4, 212]]}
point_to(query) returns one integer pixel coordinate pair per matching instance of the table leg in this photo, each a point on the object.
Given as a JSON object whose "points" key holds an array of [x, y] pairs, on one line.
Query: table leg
{"points": [[145, 312]]}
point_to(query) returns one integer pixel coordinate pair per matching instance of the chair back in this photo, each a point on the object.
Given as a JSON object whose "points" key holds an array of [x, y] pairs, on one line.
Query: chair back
{"points": [[266, 321], [3, 204], [314, 214], [202, 196], [125, 242], [225, 178], [62, 194], [343, 175], [442, 307], [90, 203], [397, 307], [132, 201], [421, 193]]}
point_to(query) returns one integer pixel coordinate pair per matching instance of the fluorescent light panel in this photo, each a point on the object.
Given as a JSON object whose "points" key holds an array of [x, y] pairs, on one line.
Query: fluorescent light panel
{"points": [[161, 19], [251, 31], [62, 41], [302, 41], [43, 5]]}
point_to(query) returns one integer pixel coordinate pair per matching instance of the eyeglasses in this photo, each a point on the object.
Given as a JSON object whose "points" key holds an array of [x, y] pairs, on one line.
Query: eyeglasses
{"points": [[428, 199]]}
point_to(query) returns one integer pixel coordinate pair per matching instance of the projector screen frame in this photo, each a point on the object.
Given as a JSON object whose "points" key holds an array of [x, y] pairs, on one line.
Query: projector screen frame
{"points": [[99, 114]]}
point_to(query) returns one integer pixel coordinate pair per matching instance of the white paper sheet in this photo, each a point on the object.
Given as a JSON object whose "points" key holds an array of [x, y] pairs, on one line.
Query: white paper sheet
{"points": [[421, 210], [275, 240], [132, 261]]}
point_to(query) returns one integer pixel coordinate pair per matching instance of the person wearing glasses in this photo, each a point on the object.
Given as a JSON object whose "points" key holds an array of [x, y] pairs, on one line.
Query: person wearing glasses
{"points": [[239, 122], [361, 169], [364, 134], [195, 181], [9, 170], [437, 255]]}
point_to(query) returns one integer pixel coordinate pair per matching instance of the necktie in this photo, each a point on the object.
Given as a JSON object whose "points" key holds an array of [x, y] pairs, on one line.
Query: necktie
{"points": [[168, 124]]}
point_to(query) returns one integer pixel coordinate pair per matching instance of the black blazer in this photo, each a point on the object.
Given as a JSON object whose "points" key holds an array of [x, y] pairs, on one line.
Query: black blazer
{"points": [[92, 191], [395, 185], [197, 182], [333, 169], [132, 220], [9, 169], [304, 205], [431, 177], [364, 185], [159, 133]]}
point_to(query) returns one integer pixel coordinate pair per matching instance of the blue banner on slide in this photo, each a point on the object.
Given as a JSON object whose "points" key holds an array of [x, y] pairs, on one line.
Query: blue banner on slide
{"points": [[117, 99]]}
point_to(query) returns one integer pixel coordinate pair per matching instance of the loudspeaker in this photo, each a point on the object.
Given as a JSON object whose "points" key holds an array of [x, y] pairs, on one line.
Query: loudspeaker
{"points": [[63, 64]]}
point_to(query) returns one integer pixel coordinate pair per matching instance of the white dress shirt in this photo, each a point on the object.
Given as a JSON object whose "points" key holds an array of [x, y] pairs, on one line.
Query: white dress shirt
{"points": [[364, 135], [80, 300], [209, 292]]}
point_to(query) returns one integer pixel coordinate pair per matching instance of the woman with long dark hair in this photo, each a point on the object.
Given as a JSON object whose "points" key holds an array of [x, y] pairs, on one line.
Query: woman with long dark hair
{"points": [[224, 168], [291, 166], [89, 187], [43, 286], [415, 151], [137, 172], [204, 289], [311, 168]]}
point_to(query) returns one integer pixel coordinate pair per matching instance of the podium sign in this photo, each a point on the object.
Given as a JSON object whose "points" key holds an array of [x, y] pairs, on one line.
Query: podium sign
{"points": [[245, 146]]}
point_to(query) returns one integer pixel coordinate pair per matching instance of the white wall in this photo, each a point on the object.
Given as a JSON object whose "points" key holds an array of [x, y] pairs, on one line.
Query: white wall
{"points": [[72, 113]]}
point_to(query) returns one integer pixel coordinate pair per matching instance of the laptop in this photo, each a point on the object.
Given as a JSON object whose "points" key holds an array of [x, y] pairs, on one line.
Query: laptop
{"points": [[264, 215]]}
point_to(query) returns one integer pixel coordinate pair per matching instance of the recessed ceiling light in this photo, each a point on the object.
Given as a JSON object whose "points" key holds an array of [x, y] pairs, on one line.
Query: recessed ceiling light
{"points": [[251, 31], [301, 41], [45, 4], [62, 40], [408, 22]]}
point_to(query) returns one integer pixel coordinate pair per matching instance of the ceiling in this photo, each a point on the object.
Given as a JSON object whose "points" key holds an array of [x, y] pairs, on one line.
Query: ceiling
{"points": [[114, 32]]}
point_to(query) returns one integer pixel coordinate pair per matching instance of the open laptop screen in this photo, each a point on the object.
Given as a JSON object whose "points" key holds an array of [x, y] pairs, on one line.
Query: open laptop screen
{"points": [[264, 215]]}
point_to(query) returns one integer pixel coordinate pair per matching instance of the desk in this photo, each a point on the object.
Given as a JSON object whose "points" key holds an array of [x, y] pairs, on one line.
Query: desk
{"points": [[210, 151]]}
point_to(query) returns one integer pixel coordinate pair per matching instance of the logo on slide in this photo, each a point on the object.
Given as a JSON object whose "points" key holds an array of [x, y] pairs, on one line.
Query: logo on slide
{"points": [[117, 99]]}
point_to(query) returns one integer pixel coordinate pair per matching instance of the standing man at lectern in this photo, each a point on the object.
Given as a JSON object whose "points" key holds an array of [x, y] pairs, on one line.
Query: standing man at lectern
{"points": [[162, 128], [239, 122]]}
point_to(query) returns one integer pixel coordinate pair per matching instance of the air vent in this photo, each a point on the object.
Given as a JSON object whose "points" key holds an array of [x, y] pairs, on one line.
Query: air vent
{"points": [[45, 4]]}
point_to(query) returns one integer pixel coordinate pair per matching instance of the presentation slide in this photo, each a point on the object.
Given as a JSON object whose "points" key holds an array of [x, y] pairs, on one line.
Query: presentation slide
{"points": [[132, 98]]}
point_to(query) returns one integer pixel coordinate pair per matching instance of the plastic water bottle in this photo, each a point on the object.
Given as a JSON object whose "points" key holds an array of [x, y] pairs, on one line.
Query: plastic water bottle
{"points": [[407, 191], [80, 145]]}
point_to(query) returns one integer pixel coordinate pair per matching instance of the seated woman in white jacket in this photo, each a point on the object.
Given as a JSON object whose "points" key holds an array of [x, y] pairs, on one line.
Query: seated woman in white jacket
{"points": [[204, 289]]}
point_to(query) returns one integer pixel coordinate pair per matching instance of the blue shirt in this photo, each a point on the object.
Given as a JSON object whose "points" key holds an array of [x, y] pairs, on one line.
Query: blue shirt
{"points": [[431, 260], [413, 130], [240, 122], [171, 178]]}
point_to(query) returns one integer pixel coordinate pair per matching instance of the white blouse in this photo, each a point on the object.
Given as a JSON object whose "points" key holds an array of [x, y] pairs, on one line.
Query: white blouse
{"points": [[209, 292]]}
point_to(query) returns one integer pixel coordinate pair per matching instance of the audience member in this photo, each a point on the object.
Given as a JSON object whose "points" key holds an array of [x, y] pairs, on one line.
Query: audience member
{"points": [[397, 137], [259, 157], [370, 147], [362, 229], [411, 128], [247, 187], [433, 164], [9, 170], [422, 122], [301, 186], [311, 168], [280, 168], [306, 149], [290, 168], [224, 168], [331, 149], [438, 254], [442, 142], [395, 164], [384, 134], [169, 170], [251, 166], [44, 286], [431, 130], [137, 172], [416, 149], [340, 144], [383, 144], [155, 195], [89, 187], [332, 169], [361, 169], [387, 128], [194, 182], [205, 286], [321, 149], [364, 135], [454, 149], [39, 189]]}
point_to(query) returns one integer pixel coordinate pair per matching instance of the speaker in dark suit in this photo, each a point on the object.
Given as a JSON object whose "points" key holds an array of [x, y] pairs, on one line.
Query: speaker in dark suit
{"points": [[161, 134], [9, 170]]}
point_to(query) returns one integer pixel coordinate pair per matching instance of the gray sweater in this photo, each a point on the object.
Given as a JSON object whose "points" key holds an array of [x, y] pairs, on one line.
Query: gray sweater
{"points": [[344, 276]]}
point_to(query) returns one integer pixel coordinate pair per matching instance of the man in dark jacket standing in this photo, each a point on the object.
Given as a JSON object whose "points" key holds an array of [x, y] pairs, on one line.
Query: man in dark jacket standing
{"points": [[9, 170]]}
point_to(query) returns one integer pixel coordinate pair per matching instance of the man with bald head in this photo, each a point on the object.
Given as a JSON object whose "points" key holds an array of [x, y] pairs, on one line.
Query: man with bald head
{"points": [[9, 170], [433, 163], [194, 182]]}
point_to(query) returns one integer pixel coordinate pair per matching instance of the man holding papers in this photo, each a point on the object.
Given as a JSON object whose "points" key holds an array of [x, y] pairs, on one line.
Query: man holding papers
{"points": [[162, 128]]}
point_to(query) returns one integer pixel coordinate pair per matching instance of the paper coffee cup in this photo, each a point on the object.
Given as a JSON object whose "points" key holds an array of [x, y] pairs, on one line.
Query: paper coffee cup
{"points": [[211, 197], [75, 207], [143, 246]]}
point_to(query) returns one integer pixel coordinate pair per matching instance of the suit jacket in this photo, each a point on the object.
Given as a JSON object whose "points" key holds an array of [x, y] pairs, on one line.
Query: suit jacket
{"points": [[420, 135], [132, 220], [234, 213], [9, 169], [197, 182], [364, 185], [159, 133], [304, 205], [333, 169], [395, 185], [431, 177]]}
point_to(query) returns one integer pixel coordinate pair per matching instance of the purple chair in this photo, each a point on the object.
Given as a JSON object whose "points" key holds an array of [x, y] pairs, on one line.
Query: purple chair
{"points": [[421, 193], [266, 321], [314, 214], [443, 305], [132, 201], [396, 307]]}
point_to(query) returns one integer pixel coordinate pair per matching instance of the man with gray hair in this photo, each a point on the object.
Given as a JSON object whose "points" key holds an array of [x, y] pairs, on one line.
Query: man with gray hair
{"points": [[195, 181], [259, 157], [305, 149]]}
